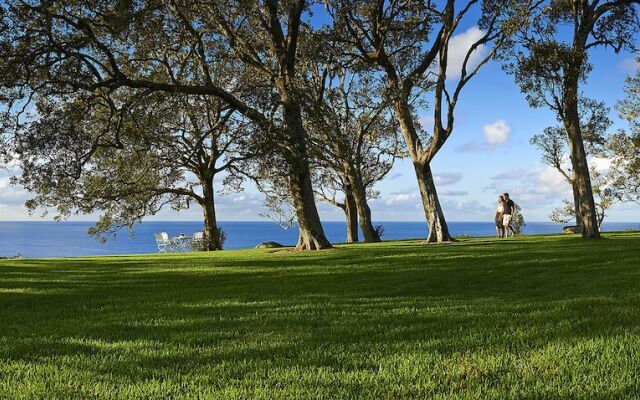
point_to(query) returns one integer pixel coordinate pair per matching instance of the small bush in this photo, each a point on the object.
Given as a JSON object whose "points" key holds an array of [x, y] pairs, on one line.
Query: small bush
{"points": [[18, 255], [379, 230], [517, 221], [221, 237]]}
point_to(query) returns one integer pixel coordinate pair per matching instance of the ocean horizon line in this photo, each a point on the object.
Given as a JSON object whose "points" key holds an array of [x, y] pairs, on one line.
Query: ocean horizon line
{"points": [[70, 238], [327, 220]]}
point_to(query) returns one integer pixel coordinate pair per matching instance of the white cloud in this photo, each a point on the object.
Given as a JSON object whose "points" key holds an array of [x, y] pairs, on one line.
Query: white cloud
{"points": [[405, 203], [472, 207], [447, 178], [459, 45], [630, 65], [531, 188], [453, 193], [550, 181], [11, 194], [495, 134], [601, 164], [426, 122], [400, 198], [515, 174]]}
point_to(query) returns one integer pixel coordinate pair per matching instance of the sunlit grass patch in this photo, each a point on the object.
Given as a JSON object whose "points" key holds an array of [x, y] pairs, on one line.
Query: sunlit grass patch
{"points": [[533, 317]]}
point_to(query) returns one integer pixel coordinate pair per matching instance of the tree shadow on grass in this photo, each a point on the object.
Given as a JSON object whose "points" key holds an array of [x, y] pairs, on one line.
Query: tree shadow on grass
{"points": [[342, 314]]}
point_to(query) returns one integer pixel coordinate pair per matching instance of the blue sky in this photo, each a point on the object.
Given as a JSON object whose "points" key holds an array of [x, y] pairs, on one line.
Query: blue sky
{"points": [[488, 153]]}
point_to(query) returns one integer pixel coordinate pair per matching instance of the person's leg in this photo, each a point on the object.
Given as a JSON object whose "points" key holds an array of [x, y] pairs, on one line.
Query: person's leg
{"points": [[505, 224]]}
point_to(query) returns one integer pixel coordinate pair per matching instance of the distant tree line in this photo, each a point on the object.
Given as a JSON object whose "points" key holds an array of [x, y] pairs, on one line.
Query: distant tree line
{"points": [[124, 107]]}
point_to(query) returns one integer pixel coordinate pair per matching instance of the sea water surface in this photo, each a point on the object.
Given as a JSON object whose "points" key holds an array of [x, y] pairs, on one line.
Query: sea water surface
{"points": [[69, 239]]}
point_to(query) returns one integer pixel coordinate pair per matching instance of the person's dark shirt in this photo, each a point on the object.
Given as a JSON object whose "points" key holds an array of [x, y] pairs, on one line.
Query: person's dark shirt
{"points": [[508, 207]]}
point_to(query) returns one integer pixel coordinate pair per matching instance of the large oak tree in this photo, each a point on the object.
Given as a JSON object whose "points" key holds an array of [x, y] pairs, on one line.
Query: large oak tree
{"points": [[128, 162], [48, 48]]}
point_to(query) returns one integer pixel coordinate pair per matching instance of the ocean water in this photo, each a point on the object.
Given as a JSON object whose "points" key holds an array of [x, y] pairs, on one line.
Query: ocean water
{"points": [[69, 239]]}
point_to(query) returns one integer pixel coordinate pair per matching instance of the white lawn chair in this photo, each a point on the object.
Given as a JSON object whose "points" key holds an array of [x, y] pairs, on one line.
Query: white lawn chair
{"points": [[163, 242]]}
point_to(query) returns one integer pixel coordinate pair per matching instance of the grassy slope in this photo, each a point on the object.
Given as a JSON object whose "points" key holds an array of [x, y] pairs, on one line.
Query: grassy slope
{"points": [[535, 317]]}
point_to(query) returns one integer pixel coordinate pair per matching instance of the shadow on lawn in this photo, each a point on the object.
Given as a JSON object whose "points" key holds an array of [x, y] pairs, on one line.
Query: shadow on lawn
{"points": [[352, 312]]}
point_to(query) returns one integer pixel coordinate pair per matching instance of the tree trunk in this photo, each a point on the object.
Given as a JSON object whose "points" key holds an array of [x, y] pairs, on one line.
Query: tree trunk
{"points": [[571, 120], [364, 212], [211, 232], [351, 215], [311, 234], [586, 205], [576, 200], [438, 229]]}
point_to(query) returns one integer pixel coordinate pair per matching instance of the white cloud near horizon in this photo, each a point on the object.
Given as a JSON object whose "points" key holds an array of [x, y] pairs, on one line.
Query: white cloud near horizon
{"points": [[472, 208], [11, 195], [601, 164], [12, 198], [406, 202], [531, 188], [401, 198], [453, 193], [447, 178]]}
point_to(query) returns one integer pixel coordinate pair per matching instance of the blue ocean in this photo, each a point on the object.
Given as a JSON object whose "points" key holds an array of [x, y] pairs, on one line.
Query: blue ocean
{"points": [[70, 239]]}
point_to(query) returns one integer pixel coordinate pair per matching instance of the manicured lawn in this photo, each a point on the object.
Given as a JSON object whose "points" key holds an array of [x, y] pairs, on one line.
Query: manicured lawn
{"points": [[534, 317]]}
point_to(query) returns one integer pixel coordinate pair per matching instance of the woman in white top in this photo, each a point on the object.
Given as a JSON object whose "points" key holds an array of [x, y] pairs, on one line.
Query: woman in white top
{"points": [[498, 219]]}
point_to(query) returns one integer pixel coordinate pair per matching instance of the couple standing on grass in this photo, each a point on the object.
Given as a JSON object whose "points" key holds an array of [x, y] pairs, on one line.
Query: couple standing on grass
{"points": [[504, 215]]}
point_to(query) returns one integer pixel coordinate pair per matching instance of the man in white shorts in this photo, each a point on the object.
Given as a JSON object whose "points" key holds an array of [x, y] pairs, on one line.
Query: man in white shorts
{"points": [[507, 215]]}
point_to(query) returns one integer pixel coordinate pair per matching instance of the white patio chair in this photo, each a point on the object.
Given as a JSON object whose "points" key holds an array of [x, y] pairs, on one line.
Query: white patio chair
{"points": [[198, 241], [163, 242]]}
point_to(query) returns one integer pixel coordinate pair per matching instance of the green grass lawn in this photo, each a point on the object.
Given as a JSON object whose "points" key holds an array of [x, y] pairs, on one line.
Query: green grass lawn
{"points": [[531, 317]]}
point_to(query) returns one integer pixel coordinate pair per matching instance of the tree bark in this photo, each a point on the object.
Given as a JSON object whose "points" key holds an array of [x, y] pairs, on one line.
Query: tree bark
{"points": [[571, 119], [438, 229], [576, 200], [211, 232], [364, 211], [351, 216], [311, 234], [588, 218]]}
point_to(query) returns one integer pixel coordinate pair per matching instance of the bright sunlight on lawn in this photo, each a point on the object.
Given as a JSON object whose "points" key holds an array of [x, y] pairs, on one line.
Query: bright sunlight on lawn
{"points": [[534, 317]]}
